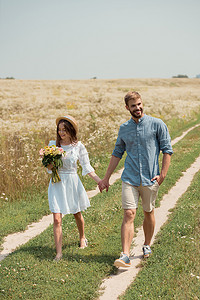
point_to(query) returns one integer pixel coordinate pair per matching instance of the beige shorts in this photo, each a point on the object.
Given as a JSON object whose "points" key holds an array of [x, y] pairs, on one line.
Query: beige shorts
{"points": [[131, 194]]}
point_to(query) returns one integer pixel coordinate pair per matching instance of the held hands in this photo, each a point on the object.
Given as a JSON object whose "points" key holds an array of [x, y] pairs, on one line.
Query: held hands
{"points": [[50, 167], [103, 184]]}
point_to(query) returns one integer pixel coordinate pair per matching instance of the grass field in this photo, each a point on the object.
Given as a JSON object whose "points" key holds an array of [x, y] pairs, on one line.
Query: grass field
{"points": [[30, 273], [28, 112]]}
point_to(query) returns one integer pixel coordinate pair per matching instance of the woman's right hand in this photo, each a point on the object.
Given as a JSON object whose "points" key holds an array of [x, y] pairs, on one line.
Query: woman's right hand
{"points": [[50, 167]]}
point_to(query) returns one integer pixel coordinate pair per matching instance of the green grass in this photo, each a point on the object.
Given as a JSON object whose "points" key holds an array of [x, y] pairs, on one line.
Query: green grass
{"points": [[185, 152], [177, 126], [15, 216], [173, 271], [30, 273]]}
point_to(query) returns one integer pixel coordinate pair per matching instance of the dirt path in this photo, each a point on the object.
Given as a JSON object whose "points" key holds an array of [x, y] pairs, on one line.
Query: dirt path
{"points": [[12, 241], [176, 140]]}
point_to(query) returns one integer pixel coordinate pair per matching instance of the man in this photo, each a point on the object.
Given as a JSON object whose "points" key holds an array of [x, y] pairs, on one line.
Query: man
{"points": [[142, 137]]}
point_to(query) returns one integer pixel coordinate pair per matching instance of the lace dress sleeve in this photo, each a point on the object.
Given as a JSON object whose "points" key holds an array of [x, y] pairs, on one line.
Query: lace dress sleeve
{"points": [[84, 160]]}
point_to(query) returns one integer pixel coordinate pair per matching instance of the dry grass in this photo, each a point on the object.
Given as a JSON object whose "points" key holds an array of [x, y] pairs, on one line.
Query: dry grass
{"points": [[35, 104], [29, 108]]}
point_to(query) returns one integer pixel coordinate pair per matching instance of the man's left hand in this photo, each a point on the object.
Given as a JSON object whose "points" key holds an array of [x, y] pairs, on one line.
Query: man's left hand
{"points": [[158, 178]]}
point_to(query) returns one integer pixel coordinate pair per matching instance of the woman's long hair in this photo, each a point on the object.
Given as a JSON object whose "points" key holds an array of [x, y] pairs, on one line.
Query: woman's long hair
{"points": [[69, 129]]}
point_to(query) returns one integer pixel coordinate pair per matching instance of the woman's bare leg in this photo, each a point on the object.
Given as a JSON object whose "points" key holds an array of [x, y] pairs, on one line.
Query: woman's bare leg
{"points": [[57, 229], [80, 224]]}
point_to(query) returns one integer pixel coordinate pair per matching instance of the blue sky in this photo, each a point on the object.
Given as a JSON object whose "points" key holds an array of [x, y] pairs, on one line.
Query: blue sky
{"points": [[80, 39]]}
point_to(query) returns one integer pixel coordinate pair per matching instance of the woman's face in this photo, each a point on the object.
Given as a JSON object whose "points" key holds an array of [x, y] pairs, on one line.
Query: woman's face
{"points": [[64, 135]]}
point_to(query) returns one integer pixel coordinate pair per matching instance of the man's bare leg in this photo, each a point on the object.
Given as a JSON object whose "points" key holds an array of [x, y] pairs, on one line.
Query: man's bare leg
{"points": [[148, 226], [127, 230]]}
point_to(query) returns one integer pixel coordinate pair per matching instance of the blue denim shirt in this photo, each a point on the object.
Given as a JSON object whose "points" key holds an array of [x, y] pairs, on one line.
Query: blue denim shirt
{"points": [[143, 142]]}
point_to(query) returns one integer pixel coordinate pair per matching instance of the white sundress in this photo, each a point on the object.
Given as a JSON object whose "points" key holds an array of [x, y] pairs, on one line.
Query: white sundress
{"points": [[68, 196]]}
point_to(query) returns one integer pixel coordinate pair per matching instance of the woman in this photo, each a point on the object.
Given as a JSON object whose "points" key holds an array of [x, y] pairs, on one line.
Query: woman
{"points": [[68, 196]]}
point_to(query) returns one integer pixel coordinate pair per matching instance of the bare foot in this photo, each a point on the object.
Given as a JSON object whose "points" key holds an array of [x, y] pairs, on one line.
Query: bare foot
{"points": [[58, 257], [83, 243]]}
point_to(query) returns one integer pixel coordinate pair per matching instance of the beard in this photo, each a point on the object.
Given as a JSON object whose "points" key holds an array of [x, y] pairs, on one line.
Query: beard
{"points": [[135, 115]]}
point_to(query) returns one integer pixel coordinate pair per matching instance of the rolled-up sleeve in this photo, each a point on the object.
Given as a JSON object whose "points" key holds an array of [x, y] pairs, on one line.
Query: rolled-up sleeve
{"points": [[164, 139], [120, 147], [84, 160]]}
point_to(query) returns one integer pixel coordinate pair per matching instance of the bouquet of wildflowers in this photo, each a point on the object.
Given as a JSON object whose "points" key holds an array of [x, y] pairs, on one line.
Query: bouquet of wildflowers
{"points": [[52, 155]]}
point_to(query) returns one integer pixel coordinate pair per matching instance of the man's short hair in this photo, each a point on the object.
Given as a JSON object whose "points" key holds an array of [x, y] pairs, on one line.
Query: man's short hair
{"points": [[131, 95]]}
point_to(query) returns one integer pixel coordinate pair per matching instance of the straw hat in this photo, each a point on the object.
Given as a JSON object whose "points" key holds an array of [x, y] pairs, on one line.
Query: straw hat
{"points": [[70, 119]]}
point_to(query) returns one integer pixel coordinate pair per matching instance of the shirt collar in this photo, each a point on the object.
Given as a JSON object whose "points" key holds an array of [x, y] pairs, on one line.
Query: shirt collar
{"points": [[140, 120]]}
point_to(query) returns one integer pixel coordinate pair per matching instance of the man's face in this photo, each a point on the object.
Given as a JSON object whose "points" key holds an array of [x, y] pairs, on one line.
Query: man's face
{"points": [[136, 108]]}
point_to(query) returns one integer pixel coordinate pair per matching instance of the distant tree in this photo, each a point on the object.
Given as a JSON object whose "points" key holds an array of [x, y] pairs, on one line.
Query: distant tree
{"points": [[7, 78], [180, 76]]}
